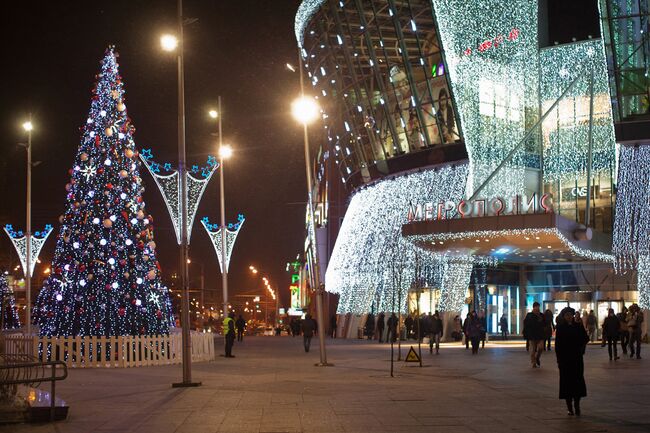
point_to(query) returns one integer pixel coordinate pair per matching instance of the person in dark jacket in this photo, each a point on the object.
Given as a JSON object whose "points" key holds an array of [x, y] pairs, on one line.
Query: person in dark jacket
{"points": [[466, 323], [624, 333], [534, 332], [483, 319], [474, 331], [503, 324], [240, 324], [333, 325], [436, 331], [408, 323], [370, 326], [380, 326], [308, 326], [392, 328], [591, 325], [611, 329], [570, 342], [548, 329]]}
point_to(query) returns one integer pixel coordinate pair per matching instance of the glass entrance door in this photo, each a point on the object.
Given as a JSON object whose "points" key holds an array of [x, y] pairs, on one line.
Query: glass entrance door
{"points": [[556, 307]]}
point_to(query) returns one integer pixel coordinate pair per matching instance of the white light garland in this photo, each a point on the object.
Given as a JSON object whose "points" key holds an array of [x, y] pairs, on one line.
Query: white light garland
{"points": [[170, 188], [643, 281], [215, 234], [360, 267], [632, 223], [494, 88], [19, 241], [512, 233], [565, 132]]}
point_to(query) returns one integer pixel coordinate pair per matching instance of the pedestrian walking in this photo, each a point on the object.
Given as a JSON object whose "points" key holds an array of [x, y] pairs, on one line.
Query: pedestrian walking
{"points": [[380, 326], [457, 333], [580, 320], [370, 326], [240, 324], [634, 321], [436, 331], [591, 325], [408, 324], [570, 342], [228, 329], [483, 319], [308, 326], [503, 324], [624, 333], [611, 330], [548, 329], [466, 323], [474, 331], [333, 325], [534, 331], [392, 328]]}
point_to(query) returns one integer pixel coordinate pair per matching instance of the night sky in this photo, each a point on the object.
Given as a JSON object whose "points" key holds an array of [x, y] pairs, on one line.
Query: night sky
{"points": [[236, 49]]}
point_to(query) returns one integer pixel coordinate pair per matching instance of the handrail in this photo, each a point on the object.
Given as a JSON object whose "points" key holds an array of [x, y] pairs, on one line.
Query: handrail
{"points": [[24, 368]]}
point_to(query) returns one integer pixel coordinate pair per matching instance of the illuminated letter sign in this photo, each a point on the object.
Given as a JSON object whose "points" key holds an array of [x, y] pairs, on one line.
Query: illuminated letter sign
{"points": [[496, 206]]}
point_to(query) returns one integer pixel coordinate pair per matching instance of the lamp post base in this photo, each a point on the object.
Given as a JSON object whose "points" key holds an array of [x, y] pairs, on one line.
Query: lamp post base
{"points": [[323, 364], [185, 384]]}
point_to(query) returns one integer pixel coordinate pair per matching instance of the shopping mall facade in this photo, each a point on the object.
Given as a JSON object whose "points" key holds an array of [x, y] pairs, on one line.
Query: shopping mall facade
{"points": [[486, 167]]}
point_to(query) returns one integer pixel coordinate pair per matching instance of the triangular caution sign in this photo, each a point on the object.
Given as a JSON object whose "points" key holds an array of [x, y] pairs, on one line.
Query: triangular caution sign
{"points": [[412, 356]]}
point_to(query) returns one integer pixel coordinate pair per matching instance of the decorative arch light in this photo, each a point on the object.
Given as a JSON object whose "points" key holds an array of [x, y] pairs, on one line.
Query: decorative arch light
{"points": [[19, 240], [216, 235], [170, 188]]}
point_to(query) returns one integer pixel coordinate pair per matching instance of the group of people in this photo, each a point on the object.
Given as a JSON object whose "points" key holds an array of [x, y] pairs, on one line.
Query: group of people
{"points": [[417, 328], [572, 334], [626, 327]]}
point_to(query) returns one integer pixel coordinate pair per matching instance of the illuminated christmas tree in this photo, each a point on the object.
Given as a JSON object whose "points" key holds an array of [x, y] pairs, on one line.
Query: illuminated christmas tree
{"points": [[8, 308], [105, 278]]}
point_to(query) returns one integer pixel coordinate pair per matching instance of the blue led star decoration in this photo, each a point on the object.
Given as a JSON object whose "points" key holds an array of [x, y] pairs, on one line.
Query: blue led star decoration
{"points": [[195, 168], [155, 167], [212, 161], [146, 154], [167, 166]]}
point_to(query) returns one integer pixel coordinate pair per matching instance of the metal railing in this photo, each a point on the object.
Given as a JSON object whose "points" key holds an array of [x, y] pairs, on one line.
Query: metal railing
{"points": [[23, 370]]}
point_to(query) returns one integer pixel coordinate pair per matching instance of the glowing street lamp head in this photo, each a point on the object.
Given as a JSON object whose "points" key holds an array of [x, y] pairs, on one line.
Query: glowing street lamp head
{"points": [[168, 42], [28, 126], [305, 109], [225, 152], [213, 114]]}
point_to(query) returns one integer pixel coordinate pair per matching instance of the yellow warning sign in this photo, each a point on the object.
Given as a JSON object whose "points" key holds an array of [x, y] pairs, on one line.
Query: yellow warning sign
{"points": [[412, 356]]}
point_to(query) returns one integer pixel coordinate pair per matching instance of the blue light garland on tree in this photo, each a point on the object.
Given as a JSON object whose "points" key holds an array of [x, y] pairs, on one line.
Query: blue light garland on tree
{"points": [[105, 278]]}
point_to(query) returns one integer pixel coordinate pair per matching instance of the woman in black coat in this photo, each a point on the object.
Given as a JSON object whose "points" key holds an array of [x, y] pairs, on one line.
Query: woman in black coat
{"points": [[570, 342]]}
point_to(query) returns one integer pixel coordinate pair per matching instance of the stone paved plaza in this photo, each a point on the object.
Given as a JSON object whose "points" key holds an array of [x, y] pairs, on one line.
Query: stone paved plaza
{"points": [[273, 386]]}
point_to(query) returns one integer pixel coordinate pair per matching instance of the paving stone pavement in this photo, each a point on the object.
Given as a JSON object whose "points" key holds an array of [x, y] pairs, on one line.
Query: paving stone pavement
{"points": [[273, 386]]}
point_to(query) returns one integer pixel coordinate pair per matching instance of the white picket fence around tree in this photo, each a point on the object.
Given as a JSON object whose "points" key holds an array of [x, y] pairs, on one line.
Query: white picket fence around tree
{"points": [[111, 352]]}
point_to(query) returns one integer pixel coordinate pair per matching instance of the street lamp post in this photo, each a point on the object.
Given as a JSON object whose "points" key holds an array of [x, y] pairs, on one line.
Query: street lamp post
{"points": [[305, 111], [224, 152], [171, 43], [27, 126]]}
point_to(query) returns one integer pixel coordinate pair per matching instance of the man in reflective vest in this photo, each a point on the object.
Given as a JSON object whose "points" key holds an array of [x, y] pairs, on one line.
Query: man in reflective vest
{"points": [[229, 333]]}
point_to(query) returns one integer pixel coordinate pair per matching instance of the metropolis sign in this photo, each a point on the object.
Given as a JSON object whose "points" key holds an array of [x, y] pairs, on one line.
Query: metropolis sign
{"points": [[497, 206]]}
